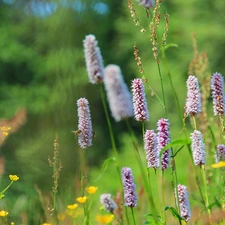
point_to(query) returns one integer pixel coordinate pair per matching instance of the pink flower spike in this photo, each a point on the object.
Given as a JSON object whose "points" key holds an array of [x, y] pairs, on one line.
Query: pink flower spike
{"points": [[198, 148], [217, 86], [139, 101], [108, 203], [164, 139], [146, 3], [193, 102], [185, 210], [93, 58], [150, 146], [84, 123], [220, 154], [118, 94], [130, 196]]}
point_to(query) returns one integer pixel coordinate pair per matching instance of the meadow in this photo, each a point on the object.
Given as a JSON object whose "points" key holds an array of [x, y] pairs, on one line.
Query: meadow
{"points": [[149, 148]]}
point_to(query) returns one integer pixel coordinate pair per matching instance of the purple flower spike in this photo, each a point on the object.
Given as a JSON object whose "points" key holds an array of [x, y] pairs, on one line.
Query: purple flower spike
{"points": [[130, 196], [217, 86], [93, 58], [84, 123], [146, 3], [150, 146], [220, 155], [185, 210], [108, 204], [139, 101], [118, 94], [198, 148], [163, 140], [193, 102]]}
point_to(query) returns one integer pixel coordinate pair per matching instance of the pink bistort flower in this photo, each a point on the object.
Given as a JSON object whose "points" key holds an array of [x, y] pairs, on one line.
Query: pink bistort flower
{"points": [[139, 101], [108, 203], [220, 154], [130, 196], [150, 146], [185, 210], [93, 58], [118, 94], [164, 139], [146, 3], [193, 102], [198, 148], [217, 86], [84, 123]]}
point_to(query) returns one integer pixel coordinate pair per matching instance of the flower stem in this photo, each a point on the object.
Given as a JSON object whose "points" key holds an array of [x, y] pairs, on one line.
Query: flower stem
{"points": [[132, 211]]}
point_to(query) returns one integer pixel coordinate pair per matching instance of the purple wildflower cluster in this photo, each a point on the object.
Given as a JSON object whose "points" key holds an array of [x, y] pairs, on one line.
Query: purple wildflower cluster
{"points": [[93, 58], [150, 146], [139, 101], [118, 94], [108, 203], [217, 86], [193, 102], [146, 3], [164, 139], [198, 148], [184, 202], [84, 123], [220, 155], [129, 187]]}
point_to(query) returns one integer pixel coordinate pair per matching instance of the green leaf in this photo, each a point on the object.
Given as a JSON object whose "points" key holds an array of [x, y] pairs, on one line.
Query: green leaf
{"points": [[174, 213], [104, 167]]}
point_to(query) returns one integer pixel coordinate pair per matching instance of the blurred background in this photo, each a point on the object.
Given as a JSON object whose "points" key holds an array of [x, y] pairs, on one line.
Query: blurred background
{"points": [[42, 74]]}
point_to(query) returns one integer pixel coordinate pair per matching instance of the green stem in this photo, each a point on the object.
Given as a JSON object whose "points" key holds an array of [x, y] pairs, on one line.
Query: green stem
{"points": [[132, 211], [194, 123], [3, 191], [163, 198]]}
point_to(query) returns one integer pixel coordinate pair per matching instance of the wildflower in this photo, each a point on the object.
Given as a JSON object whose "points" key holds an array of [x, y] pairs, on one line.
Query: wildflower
{"points": [[74, 206], [61, 216], [218, 165], [119, 97], [193, 102], [106, 219], [184, 202], [108, 203], [163, 138], [46, 223], [130, 196], [198, 148], [217, 86], [13, 177], [150, 146], [139, 101], [82, 199], [146, 3], [91, 189], [3, 213], [220, 154], [93, 58], [84, 123]]}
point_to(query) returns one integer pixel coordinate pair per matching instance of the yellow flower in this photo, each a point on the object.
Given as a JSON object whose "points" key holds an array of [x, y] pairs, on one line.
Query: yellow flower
{"points": [[46, 224], [61, 216], [82, 199], [5, 133], [13, 177], [219, 164], [3, 213], [104, 219], [74, 206], [91, 189], [5, 128], [12, 223], [74, 213]]}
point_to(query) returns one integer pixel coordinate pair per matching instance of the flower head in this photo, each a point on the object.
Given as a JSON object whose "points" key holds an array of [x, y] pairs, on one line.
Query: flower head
{"points": [[217, 86], [91, 189], [108, 203], [219, 164], [84, 123], [72, 207], [130, 196], [118, 94], [184, 202], [164, 139], [150, 146], [146, 3], [139, 101], [13, 177], [82, 199], [3, 213], [105, 219], [198, 148], [193, 102], [93, 58], [220, 154]]}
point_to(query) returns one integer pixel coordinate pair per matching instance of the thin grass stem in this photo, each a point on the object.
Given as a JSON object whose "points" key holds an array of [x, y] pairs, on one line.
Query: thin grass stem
{"points": [[132, 211]]}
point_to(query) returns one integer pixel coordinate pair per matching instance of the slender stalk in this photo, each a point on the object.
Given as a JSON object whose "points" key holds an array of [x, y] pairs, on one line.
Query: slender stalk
{"points": [[194, 123], [132, 211], [163, 197]]}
